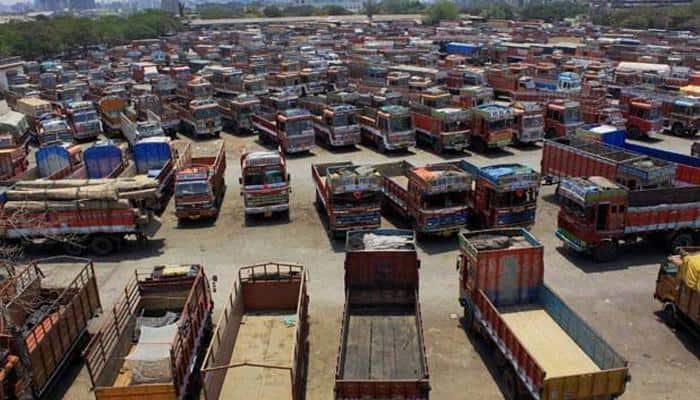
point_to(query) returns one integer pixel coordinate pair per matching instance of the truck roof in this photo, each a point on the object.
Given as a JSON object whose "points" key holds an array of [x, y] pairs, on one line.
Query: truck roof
{"points": [[295, 113], [594, 188], [510, 176], [380, 239], [261, 158], [393, 109], [494, 111]]}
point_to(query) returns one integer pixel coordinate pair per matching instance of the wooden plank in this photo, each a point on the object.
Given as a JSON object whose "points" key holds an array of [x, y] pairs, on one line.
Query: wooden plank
{"points": [[378, 328]]}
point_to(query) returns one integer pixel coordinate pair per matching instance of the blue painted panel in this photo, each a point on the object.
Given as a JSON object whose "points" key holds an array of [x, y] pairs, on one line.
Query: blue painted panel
{"points": [[102, 159], [151, 155], [51, 159]]}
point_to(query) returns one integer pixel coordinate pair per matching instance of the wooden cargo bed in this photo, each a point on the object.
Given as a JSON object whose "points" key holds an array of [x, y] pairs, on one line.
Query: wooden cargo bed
{"points": [[382, 345], [263, 338], [553, 349]]}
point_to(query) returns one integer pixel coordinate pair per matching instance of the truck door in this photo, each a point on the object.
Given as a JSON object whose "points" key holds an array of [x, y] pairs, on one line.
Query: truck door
{"points": [[602, 217]]}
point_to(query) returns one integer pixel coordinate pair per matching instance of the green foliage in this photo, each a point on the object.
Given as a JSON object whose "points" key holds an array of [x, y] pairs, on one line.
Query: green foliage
{"points": [[47, 37], [332, 10], [552, 11], [497, 10], [443, 10], [401, 7], [672, 17], [371, 8], [272, 11]]}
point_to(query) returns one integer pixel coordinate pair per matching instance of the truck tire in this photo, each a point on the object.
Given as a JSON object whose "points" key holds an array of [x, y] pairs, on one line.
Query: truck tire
{"points": [[437, 147], [606, 251], [677, 129], [680, 239], [73, 248], [634, 133], [478, 145], [669, 313], [381, 147], [102, 245]]}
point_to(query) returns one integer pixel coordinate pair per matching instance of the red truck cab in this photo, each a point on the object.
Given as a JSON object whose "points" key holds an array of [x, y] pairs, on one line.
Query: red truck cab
{"points": [[643, 116], [438, 125], [491, 126], [280, 123], [562, 118], [199, 185], [265, 183]]}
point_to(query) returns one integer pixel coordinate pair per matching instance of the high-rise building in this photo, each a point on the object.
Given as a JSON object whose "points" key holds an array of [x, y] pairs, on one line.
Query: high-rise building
{"points": [[82, 4], [171, 6]]}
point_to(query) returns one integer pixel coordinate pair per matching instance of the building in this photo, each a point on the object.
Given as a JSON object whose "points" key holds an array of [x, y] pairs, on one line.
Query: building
{"points": [[171, 6], [82, 4], [350, 5], [638, 3]]}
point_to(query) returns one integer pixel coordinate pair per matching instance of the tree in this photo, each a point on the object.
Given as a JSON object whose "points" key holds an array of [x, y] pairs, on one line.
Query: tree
{"points": [[370, 9], [272, 11], [443, 10]]}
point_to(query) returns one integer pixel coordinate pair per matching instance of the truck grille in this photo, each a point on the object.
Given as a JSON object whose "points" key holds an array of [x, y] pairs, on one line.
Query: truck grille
{"points": [[267, 199]]}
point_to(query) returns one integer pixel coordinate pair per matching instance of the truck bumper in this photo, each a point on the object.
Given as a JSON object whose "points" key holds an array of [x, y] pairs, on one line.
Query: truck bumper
{"points": [[400, 146], [267, 210], [196, 213], [571, 243]]}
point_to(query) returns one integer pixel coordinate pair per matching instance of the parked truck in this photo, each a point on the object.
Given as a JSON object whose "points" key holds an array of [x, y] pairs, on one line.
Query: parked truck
{"points": [[54, 129], [491, 126], [289, 129], [199, 118], [336, 125], [237, 113], [598, 215], [683, 118], [387, 127], [40, 342], [135, 130], [562, 118], [678, 289], [152, 343], [528, 122], [84, 119], [265, 183], [544, 349], [199, 184], [434, 198], [438, 125], [349, 195], [110, 108], [382, 351], [643, 116], [504, 195], [268, 300]]}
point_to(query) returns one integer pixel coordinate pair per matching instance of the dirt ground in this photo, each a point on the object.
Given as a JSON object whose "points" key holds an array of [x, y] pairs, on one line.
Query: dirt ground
{"points": [[615, 298]]}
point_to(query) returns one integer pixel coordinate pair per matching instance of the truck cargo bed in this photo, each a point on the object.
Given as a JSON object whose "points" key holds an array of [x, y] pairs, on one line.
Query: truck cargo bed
{"points": [[540, 334], [383, 344], [266, 337]]}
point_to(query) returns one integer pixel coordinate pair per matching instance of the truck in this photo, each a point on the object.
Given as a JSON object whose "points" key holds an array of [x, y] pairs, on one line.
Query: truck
{"points": [[505, 195], [643, 116], [585, 156], [382, 350], [336, 125], [543, 348], [388, 127], [149, 106], [153, 341], [434, 198], [562, 118], [137, 130], [102, 159], [200, 118], [237, 113], [40, 342], [83, 118], [597, 215], [13, 160], [110, 108], [438, 125], [54, 129], [683, 119], [268, 300], [265, 183], [491, 126], [349, 195], [290, 129], [199, 184], [678, 289], [473, 96], [528, 122]]}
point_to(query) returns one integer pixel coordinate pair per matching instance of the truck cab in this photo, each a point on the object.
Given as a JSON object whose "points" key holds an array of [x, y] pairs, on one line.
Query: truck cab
{"points": [[474, 96], [197, 89], [437, 124], [110, 108], [224, 80], [337, 125], [528, 122], [491, 126], [684, 119], [54, 129], [562, 118], [254, 85], [311, 82], [236, 113], [265, 183], [199, 185], [643, 117], [337, 77], [84, 120], [388, 127], [199, 117]]}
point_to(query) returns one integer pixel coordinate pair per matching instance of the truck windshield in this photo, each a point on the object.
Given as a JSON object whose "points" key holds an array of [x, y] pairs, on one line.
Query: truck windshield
{"points": [[298, 127], [398, 124], [191, 188], [344, 120], [209, 112], [500, 124], [515, 198], [444, 200], [266, 177], [454, 126], [652, 113], [85, 116], [572, 115], [576, 209], [533, 121]]}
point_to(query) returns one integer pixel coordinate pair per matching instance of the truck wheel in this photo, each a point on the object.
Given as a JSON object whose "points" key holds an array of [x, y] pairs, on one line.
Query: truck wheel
{"points": [[381, 147], [634, 133], [510, 385], [102, 245], [680, 239], [478, 145], [437, 147], [677, 129], [691, 132], [669, 312], [73, 248], [605, 252]]}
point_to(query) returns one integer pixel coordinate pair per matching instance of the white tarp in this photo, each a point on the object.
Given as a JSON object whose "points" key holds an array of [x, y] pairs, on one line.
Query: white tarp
{"points": [[149, 362]]}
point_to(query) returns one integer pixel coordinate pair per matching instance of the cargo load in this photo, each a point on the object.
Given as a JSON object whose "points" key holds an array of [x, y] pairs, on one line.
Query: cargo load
{"points": [[678, 289]]}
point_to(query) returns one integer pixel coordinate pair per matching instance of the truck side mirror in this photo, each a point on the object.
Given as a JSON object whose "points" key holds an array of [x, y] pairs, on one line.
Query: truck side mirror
{"points": [[240, 180], [289, 178]]}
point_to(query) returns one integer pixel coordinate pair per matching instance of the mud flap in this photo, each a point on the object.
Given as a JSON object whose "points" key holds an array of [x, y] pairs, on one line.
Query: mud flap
{"points": [[149, 230]]}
